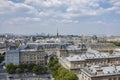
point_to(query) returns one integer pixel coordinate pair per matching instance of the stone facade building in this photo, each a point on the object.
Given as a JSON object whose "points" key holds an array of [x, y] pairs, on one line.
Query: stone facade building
{"points": [[96, 72], [91, 57], [12, 55], [33, 56], [32, 53]]}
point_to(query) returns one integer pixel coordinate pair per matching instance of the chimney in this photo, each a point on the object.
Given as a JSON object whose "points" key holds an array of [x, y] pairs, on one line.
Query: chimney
{"points": [[114, 69], [99, 70]]}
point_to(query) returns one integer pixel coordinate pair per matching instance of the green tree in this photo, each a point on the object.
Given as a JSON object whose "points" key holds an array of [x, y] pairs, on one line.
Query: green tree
{"points": [[1, 58], [52, 63], [26, 70], [10, 68], [35, 69], [70, 76], [117, 43], [45, 68], [51, 58], [30, 67], [60, 73], [17, 44], [22, 66], [18, 70], [57, 66]]}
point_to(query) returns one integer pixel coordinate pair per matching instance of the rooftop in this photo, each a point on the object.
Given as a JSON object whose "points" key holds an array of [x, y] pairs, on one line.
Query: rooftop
{"points": [[72, 47], [97, 70], [75, 58], [91, 54]]}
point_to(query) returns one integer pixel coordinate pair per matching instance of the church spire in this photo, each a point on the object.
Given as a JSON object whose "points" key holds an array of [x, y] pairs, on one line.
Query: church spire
{"points": [[57, 33]]}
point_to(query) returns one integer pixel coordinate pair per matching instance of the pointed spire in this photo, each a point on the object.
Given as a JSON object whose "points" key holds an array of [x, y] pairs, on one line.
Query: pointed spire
{"points": [[57, 33]]}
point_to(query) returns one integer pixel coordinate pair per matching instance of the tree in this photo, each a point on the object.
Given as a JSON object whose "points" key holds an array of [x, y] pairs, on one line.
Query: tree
{"points": [[60, 73], [35, 69], [26, 70], [18, 70], [71, 76], [1, 58], [30, 67], [10, 68], [52, 63], [51, 58], [57, 66], [117, 43], [17, 44], [45, 69], [21, 67]]}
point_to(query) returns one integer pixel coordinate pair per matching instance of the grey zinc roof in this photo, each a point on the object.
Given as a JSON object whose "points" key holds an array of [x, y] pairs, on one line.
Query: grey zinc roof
{"points": [[92, 55]]}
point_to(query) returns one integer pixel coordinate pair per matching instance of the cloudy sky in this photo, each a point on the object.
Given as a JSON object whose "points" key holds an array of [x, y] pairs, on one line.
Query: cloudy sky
{"points": [[68, 16]]}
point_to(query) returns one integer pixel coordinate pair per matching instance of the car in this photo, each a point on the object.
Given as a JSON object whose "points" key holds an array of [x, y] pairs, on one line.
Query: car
{"points": [[49, 77], [34, 74], [11, 77]]}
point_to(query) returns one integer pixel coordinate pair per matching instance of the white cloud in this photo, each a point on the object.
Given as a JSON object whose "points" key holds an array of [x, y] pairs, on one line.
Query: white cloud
{"points": [[20, 20], [8, 7], [4, 6], [44, 3], [25, 19], [49, 3], [72, 8], [63, 10]]}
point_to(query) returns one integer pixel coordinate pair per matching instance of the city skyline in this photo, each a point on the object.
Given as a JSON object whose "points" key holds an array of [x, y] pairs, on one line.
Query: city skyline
{"points": [[68, 16]]}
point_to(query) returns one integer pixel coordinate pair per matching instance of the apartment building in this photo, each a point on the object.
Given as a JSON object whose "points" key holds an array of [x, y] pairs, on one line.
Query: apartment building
{"points": [[31, 53], [25, 54], [33, 56], [96, 72], [76, 62], [12, 55], [71, 50], [102, 47]]}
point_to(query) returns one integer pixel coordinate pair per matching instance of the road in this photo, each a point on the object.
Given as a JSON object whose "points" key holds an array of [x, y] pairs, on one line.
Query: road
{"points": [[3, 74], [30, 77]]}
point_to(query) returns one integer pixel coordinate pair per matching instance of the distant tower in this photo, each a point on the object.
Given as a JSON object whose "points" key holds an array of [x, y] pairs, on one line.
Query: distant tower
{"points": [[57, 33]]}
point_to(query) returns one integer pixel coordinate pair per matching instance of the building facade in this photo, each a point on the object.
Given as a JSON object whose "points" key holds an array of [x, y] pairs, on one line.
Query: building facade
{"points": [[25, 54], [31, 53], [102, 47], [12, 55], [33, 56], [76, 62], [71, 50], [96, 72]]}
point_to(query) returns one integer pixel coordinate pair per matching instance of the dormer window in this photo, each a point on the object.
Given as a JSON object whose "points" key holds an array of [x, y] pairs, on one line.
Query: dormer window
{"points": [[12, 47]]}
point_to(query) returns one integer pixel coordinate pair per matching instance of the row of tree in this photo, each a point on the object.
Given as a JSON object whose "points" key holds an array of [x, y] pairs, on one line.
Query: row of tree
{"points": [[1, 57], [117, 43], [26, 68], [60, 73]]}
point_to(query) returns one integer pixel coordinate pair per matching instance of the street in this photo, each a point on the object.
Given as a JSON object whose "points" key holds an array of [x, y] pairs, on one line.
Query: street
{"points": [[3, 74], [29, 76]]}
